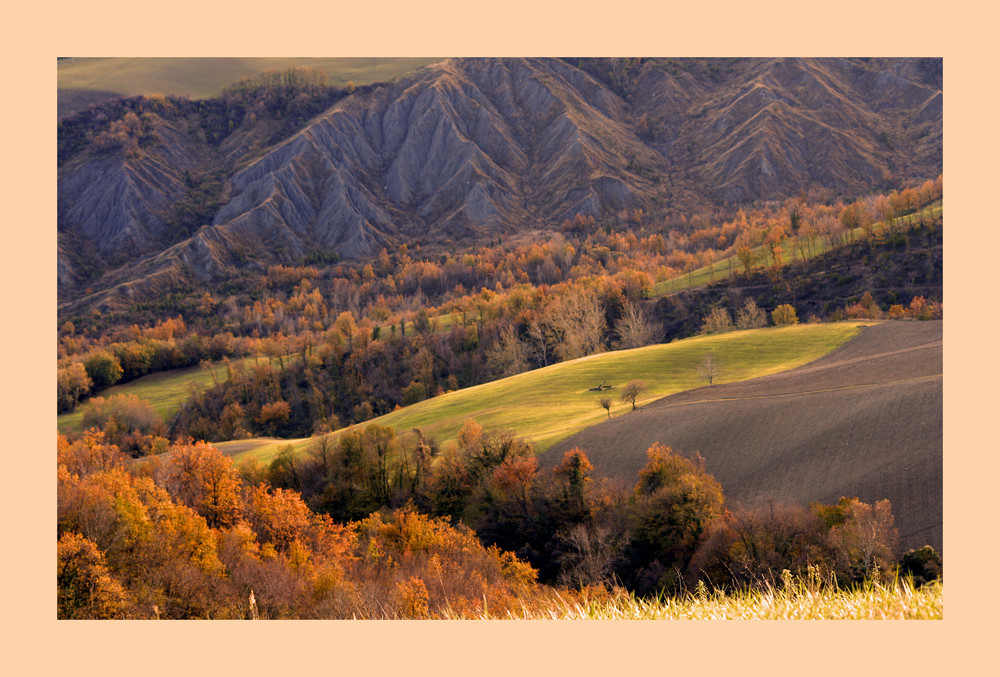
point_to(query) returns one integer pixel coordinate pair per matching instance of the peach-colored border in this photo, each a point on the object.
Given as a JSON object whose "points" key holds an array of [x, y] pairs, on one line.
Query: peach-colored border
{"points": [[35, 643]]}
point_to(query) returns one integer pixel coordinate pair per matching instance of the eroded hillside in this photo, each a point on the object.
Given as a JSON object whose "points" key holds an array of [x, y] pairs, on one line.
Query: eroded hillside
{"points": [[470, 150]]}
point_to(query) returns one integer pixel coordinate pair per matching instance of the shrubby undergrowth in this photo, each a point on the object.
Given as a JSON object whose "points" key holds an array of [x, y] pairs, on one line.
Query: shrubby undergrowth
{"points": [[373, 526]]}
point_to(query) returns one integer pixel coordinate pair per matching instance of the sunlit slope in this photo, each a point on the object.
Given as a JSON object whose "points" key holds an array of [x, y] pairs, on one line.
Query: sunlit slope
{"points": [[865, 420], [166, 391], [547, 405], [206, 77], [815, 245]]}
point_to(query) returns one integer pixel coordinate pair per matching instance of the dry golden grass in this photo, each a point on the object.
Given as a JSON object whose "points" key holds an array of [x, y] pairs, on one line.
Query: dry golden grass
{"points": [[796, 600]]}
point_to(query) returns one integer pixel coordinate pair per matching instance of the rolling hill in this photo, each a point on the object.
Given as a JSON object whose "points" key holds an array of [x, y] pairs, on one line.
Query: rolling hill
{"points": [[546, 405], [865, 421], [359, 255], [166, 392]]}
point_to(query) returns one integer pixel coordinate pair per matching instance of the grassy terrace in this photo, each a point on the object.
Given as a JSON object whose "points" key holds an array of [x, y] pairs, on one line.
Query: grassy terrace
{"points": [[547, 405], [166, 391], [723, 268]]}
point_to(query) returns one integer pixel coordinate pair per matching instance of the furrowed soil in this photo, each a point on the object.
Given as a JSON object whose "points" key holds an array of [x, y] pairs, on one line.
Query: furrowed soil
{"points": [[865, 421], [549, 404]]}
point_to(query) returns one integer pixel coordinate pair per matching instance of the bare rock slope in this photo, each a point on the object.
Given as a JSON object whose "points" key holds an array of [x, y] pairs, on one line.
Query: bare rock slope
{"points": [[469, 149]]}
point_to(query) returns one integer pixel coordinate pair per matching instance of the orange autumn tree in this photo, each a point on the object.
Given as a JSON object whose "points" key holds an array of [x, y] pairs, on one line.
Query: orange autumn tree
{"points": [[576, 469], [136, 542], [164, 553], [86, 588], [862, 536], [202, 478], [428, 567], [674, 503]]}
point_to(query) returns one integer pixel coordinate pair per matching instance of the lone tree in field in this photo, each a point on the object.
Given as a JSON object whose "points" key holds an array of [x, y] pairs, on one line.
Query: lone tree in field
{"points": [[606, 403], [718, 321], [630, 392], [751, 316], [747, 257], [634, 330], [710, 367], [784, 315]]}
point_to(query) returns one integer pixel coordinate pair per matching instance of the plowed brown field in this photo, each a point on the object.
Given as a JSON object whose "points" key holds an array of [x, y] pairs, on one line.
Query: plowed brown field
{"points": [[865, 421]]}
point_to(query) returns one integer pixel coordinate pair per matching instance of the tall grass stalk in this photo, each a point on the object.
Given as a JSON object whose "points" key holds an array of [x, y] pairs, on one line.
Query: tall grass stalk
{"points": [[796, 600]]}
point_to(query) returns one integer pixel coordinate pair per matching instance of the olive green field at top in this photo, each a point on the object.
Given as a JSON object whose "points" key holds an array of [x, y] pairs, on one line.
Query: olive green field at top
{"points": [[206, 77]]}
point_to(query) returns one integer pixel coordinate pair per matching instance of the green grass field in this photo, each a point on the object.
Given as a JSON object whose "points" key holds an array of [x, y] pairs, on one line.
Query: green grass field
{"points": [[547, 405], [166, 391], [199, 78], [723, 268]]}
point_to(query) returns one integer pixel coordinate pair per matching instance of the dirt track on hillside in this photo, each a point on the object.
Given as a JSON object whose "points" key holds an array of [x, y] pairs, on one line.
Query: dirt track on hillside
{"points": [[865, 421]]}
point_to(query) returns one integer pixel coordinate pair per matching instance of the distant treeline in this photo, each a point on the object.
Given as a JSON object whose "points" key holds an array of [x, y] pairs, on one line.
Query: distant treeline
{"points": [[289, 97], [320, 367]]}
